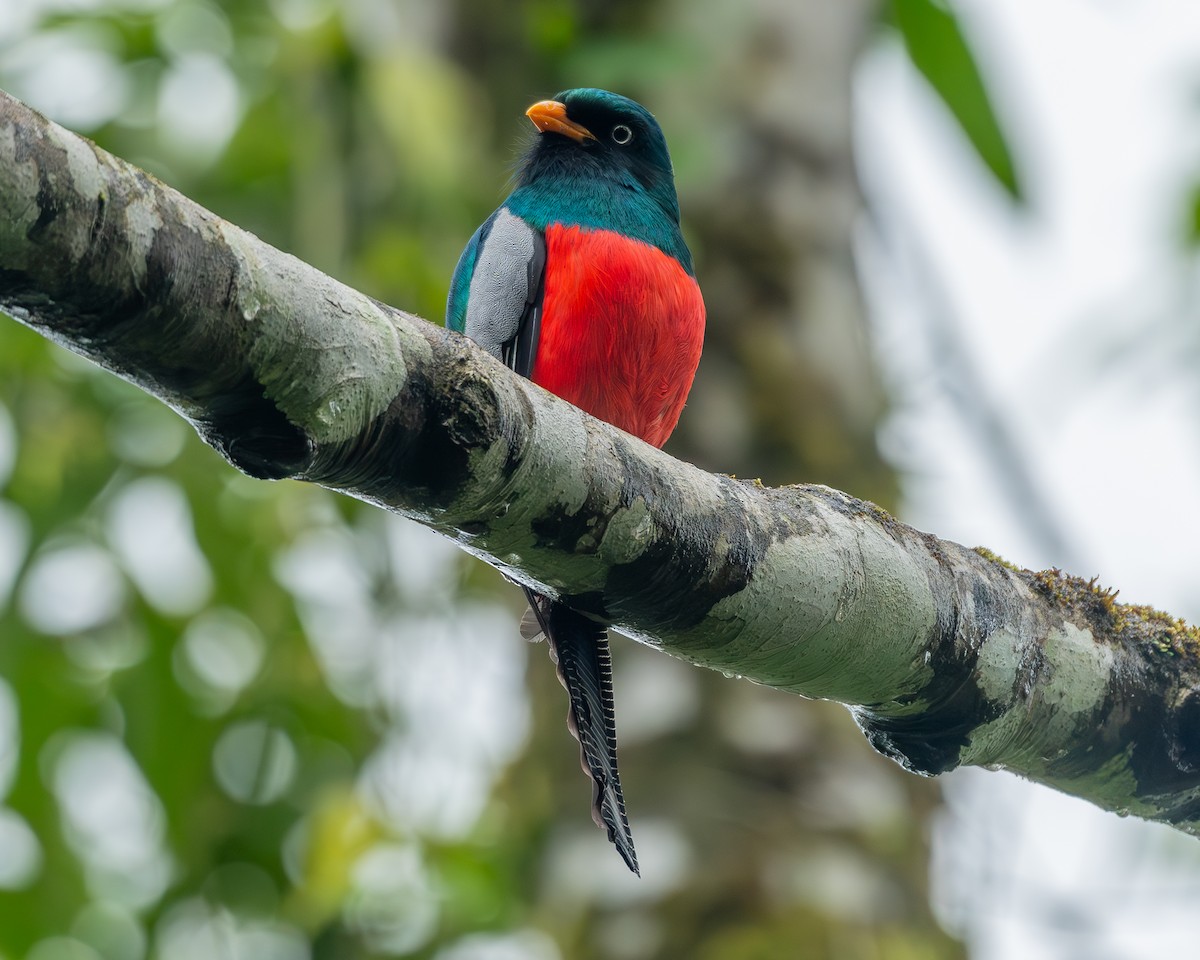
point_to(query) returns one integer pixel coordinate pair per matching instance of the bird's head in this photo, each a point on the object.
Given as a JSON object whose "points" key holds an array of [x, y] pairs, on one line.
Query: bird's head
{"points": [[588, 132]]}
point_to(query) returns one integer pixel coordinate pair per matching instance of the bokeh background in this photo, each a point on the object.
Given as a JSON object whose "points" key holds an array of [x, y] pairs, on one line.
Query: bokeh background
{"points": [[949, 253]]}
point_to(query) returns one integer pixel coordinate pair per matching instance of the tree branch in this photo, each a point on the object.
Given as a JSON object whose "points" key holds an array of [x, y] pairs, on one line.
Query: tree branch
{"points": [[946, 655]]}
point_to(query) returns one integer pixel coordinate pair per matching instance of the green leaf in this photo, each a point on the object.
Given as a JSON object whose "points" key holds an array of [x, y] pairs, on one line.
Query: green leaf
{"points": [[938, 49], [1191, 233]]}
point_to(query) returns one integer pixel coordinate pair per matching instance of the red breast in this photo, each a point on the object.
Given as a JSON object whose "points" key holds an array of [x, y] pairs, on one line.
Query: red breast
{"points": [[622, 329]]}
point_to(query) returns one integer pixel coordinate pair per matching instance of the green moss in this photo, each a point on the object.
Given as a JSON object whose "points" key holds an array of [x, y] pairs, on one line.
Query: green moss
{"points": [[1047, 583], [879, 513], [1088, 596], [1128, 624], [1161, 631], [996, 558]]}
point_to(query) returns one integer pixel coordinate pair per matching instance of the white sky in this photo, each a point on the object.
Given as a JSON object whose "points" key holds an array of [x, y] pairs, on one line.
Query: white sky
{"points": [[1075, 324]]}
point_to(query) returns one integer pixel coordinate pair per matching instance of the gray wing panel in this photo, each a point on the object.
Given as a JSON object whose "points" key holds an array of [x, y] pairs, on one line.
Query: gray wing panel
{"points": [[505, 283]]}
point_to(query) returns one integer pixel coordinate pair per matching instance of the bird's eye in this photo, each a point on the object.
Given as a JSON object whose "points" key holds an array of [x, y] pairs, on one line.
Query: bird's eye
{"points": [[621, 134]]}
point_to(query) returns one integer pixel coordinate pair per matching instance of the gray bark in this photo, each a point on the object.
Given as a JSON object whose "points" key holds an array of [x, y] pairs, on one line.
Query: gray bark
{"points": [[945, 655]]}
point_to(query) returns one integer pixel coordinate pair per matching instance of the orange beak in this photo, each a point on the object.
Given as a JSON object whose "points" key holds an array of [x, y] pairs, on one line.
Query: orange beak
{"points": [[550, 116]]}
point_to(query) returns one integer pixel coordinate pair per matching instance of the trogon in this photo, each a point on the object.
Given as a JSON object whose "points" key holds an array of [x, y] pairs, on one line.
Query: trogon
{"points": [[581, 282]]}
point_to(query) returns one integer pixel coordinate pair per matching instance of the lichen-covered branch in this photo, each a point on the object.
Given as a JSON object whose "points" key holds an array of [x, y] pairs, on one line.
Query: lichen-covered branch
{"points": [[946, 655]]}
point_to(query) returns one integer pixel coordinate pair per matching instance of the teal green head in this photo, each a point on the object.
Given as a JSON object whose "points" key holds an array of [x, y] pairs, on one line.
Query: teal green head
{"points": [[600, 160]]}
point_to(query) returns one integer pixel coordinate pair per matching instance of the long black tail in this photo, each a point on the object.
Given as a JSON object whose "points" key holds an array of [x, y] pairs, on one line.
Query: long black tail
{"points": [[579, 646]]}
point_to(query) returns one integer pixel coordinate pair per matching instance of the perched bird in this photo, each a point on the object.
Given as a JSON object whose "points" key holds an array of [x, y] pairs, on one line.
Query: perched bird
{"points": [[581, 281]]}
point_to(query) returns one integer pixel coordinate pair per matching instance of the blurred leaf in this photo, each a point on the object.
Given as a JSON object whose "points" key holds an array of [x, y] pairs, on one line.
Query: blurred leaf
{"points": [[338, 832], [939, 50], [1191, 230]]}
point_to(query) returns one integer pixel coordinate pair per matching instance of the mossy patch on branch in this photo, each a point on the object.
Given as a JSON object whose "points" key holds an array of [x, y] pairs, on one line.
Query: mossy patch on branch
{"points": [[1128, 624], [996, 558]]}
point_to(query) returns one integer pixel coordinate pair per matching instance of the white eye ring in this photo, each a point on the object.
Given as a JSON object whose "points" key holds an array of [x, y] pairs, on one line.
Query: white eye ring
{"points": [[621, 134]]}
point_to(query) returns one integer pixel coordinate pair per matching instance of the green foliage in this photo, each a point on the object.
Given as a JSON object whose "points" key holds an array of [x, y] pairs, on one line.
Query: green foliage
{"points": [[938, 48], [1191, 232]]}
